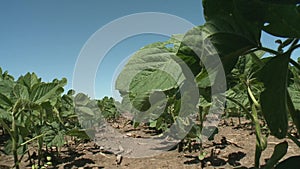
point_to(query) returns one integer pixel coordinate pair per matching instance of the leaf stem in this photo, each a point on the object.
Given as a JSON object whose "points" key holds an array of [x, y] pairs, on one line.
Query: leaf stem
{"points": [[242, 106], [294, 63], [252, 97], [251, 51], [294, 139], [294, 45], [30, 140], [269, 50]]}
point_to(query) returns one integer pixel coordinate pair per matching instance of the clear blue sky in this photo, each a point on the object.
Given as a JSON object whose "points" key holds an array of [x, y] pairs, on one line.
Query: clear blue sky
{"points": [[46, 37]]}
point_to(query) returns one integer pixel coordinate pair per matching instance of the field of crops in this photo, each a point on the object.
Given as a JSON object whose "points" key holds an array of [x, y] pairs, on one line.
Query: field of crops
{"points": [[226, 99]]}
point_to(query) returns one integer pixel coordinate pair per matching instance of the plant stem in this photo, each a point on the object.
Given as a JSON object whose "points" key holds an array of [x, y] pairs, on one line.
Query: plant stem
{"points": [[294, 45], [297, 65], [40, 144], [269, 50], [258, 147], [40, 139], [260, 140], [252, 97], [15, 142], [30, 140], [295, 140]]}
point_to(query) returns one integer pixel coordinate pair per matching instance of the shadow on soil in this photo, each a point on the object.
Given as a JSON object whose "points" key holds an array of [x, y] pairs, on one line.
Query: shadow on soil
{"points": [[232, 159]]}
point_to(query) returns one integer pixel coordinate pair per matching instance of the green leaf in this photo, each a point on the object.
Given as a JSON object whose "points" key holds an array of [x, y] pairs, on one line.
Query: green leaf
{"points": [[21, 92], [5, 102], [79, 133], [5, 115], [289, 163], [22, 104], [153, 123], [6, 87], [171, 45], [277, 18], [71, 92], [6, 76], [8, 148], [279, 151], [44, 91], [81, 99], [230, 30], [150, 69], [58, 139], [85, 110], [282, 19], [148, 80], [29, 80], [274, 97], [203, 79]]}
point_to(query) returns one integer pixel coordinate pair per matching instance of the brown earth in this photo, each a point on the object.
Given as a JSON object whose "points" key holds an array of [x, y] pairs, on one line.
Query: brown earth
{"points": [[233, 147]]}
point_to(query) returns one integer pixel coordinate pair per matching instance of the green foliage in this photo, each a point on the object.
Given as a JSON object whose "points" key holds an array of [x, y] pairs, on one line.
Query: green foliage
{"points": [[152, 83], [257, 85], [32, 110], [108, 108], [29, 98]]}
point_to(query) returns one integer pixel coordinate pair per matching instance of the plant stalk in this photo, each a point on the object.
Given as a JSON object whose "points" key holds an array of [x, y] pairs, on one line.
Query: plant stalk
{"points": [[15, 142]]}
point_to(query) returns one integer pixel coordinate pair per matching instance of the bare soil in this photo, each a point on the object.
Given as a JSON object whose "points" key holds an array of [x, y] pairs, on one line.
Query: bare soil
{"points": [[233, 147]]}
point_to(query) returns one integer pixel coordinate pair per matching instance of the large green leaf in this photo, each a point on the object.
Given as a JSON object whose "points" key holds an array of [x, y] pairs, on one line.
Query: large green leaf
{"points": [[21, 92], [277, 18], [150, 69], [171, 44], [282, 19], [231, 33], [274, 97], [44, 91]]}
